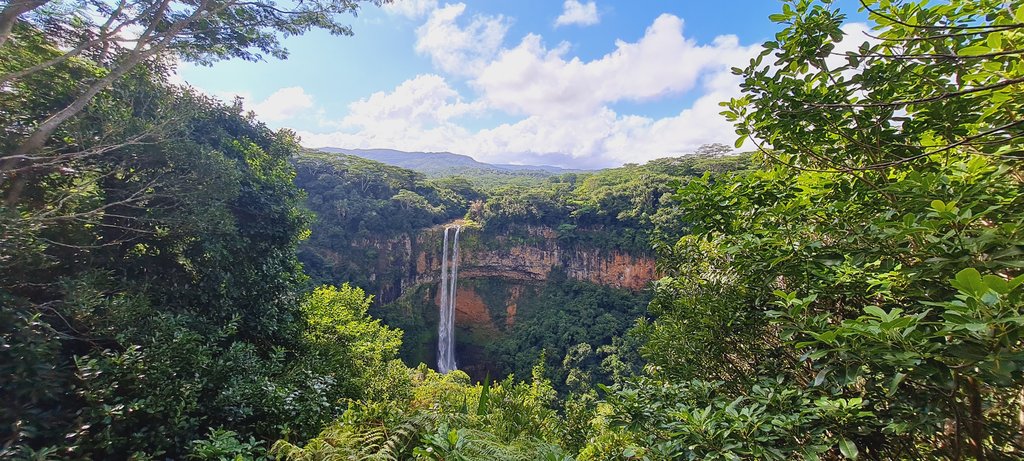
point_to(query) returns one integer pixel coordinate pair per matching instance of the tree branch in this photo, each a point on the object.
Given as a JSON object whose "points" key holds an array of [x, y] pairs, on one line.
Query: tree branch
{"points": [[907, 102], [9, 15], [102, 37], [929, 27]]}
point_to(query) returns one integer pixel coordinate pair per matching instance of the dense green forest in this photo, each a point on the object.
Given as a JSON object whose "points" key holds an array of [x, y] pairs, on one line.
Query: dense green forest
{"points": [[852, 292], [355, 199], [365, 212], [574, 328]]}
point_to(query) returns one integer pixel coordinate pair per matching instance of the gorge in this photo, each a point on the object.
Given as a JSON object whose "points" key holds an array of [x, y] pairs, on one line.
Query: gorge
{"points": [[496, 271], [181, 280], [502, 276]]}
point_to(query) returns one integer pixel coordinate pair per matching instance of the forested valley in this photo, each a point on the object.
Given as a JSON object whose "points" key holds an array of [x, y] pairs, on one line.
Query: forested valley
{"points": [[179, 281]]}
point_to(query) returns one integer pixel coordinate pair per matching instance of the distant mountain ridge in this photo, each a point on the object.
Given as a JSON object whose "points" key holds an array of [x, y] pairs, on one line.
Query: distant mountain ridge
{"points": [[444, 163]]}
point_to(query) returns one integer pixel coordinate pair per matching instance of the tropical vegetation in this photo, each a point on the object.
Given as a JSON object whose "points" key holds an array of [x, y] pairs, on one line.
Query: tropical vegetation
{"points": [[850, 289]]}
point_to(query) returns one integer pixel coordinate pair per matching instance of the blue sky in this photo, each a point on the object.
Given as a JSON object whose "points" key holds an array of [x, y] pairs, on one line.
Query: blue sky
{"points": [[572, 83]]}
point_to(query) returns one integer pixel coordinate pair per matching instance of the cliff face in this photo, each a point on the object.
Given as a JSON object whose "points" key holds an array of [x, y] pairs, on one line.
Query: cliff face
{"points": [[501, 277], [525, 254]]}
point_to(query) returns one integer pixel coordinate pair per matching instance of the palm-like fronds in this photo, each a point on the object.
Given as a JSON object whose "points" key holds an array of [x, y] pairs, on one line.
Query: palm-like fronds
{"points": [[370, 442]]}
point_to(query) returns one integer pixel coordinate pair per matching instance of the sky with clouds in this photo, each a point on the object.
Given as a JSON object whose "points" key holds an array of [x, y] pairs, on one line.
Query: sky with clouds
{"points": [[586, 84]]}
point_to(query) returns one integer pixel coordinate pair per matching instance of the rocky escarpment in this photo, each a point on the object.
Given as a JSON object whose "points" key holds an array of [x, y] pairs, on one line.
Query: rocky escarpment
{"points": [[519, 254], [501, 278]]}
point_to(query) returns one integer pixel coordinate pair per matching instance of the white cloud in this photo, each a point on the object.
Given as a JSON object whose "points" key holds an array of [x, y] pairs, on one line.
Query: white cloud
{"points": [[604, 137], [177, 68], [283, 104], [574, 12], [460, 50], [419, 116], [563, 102], [413, 9], [532, 79], [855, 34], [417, 113], [423, 101]]}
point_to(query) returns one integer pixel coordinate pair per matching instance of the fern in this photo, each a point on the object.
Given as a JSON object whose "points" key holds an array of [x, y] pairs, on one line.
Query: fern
{"points": [[510, 422], [390, 439], [476, 444]]}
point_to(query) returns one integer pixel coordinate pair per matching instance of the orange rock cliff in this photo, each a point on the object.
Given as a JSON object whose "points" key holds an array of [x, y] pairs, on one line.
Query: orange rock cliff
{"points": [[529, 254], [516, 262]]}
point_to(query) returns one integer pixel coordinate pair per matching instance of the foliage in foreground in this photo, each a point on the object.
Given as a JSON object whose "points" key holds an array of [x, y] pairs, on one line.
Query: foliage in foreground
{"points": [[857, 296], [860, 294], [445, 418], [148, 279]]}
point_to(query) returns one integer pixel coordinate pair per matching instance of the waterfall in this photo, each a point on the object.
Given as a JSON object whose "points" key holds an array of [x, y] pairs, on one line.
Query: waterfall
{"points": [[446, 326]]}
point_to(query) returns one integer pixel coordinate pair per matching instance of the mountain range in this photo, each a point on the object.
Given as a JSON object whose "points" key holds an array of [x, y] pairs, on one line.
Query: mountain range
{"points": [[445, 163]]}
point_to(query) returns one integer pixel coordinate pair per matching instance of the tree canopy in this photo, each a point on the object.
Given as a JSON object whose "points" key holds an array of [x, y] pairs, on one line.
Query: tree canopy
{"points": [[116, 37], [859, 293], [853, 290]]}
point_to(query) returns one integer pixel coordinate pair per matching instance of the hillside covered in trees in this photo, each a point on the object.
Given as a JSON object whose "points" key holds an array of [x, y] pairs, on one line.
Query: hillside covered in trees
{"points": [[179, 281], [355, 199], [368, 213]]}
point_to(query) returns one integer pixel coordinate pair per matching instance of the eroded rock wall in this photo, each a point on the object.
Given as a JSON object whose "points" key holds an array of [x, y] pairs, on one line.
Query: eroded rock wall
{"points": [[525, 254]]}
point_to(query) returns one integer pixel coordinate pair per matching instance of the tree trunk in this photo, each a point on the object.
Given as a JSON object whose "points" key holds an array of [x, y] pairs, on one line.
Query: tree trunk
{"points": [[1020, 418], [10, 14], [45, 130], [976, 427]]}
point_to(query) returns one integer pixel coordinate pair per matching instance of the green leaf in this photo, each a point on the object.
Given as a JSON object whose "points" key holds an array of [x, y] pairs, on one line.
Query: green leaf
{"points": [[1016, 281], [820, 377], [976, 50], [876, 312], [970, 282], [828, 337], [977, 327], [894, 384], [485, 396], [848, 448], [990, 298], [996, 284], [995, 40]]}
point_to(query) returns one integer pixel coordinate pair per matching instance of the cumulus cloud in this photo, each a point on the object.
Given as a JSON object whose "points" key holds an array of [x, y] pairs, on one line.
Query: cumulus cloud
{"points": [[418, 114], [426, 100], [283, 104], [456, 49], [563, 103], [605, 137], [532, 79], [599, 139], [574, 12], [412, 9]]}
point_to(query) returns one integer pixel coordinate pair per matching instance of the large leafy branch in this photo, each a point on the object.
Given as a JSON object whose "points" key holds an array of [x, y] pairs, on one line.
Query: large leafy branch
{"points": [[928, 81]]}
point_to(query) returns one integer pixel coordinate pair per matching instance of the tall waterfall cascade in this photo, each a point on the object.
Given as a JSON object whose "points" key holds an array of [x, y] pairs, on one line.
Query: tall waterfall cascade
{"points": [[446, 327]]}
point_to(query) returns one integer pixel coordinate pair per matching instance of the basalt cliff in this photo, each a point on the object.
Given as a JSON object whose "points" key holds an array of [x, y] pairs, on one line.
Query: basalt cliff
{"points": [[518, 255], [500, 274]]}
